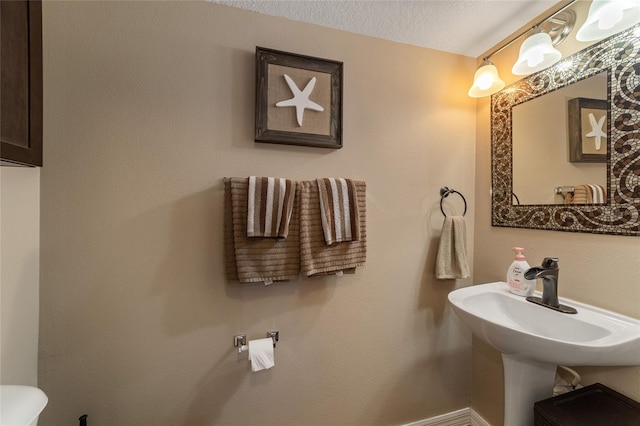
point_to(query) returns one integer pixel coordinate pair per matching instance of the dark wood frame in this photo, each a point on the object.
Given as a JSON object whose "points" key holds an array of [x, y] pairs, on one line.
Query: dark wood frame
{"points": [[576, 136], [264, 57], [27, 151]]}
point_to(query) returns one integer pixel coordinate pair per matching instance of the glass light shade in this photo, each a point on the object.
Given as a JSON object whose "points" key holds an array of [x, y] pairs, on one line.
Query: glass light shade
{"points": [[608, 17], [486, 81], [536, 53]]}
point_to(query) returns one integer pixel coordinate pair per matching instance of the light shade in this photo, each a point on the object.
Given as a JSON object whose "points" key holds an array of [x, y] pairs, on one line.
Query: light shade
{"points": [[536, 53], [608, 17], [486, 80]]}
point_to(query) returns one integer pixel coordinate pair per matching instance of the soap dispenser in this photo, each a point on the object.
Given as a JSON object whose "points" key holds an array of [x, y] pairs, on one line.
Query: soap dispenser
{"points": [[516, 281]]}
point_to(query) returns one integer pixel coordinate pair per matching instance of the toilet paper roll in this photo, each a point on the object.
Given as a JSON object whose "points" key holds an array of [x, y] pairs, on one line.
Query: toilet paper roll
{"points": [[261, 354]]}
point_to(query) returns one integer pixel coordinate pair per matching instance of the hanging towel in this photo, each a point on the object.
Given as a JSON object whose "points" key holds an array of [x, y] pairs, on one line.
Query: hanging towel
{"points": [[587, 194], [581, 195], [318, 258], [270, 205], [451, 259], [597, 194], [338, 210], [249, 260]]}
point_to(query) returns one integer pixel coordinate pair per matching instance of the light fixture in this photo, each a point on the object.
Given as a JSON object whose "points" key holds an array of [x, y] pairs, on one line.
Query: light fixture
{"points": [[608, 17], [536, 53], [486, 80]]}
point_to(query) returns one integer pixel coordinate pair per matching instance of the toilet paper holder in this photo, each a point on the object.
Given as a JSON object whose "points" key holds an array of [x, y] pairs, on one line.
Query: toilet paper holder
{"points": [[275, 336], [240, 340]]}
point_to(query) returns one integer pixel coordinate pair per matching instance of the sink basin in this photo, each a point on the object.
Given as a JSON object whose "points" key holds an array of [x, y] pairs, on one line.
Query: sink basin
{"points": [[533, 340], [21, 405], [513, 325]]}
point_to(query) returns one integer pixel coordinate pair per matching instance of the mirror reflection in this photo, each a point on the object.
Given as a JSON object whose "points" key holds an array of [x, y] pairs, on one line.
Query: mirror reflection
{"points": [[544, 171]]}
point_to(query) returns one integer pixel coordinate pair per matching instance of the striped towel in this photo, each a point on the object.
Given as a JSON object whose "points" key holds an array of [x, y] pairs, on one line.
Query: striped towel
{"points": [[318, 258], [270, 204], [587, 194], [597, 194], [252, 260], [339, 210]]}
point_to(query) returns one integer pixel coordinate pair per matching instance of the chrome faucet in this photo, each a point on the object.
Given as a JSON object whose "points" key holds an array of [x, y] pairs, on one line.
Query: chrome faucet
{"points": [[549, 273]]}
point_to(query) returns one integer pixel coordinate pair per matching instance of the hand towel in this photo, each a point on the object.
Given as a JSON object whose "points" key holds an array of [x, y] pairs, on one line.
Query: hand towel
{"points": [[451, 259], [318, 258], [339, 210], [251, 260], [270, 205]]}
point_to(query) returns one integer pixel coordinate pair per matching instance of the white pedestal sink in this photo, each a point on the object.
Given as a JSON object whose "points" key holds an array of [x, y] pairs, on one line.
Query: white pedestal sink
{"points": [[21, 405], [533, 340]]}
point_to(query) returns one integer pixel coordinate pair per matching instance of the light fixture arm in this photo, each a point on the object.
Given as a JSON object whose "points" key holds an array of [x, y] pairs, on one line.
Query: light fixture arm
{"points": [[537, 25]]}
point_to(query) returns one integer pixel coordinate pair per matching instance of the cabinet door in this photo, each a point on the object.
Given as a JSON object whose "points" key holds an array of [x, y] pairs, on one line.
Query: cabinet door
{"points": [[21, 82]]}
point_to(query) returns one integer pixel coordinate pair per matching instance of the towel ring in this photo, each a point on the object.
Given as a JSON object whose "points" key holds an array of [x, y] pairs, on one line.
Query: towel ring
{"points": [[444, 193]]}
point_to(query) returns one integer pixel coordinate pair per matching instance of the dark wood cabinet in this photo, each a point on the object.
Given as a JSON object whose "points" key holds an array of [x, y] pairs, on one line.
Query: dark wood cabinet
{"points": [[21, 82], [593, 405]]}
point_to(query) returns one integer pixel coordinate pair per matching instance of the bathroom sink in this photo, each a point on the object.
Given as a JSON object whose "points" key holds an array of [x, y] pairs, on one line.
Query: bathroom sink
{"points": [[513, 325], [533, 340], [21, 405]]}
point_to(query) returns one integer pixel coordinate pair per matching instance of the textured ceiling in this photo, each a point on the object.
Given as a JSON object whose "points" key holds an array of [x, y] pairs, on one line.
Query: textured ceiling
{"points": [[466, 27]]}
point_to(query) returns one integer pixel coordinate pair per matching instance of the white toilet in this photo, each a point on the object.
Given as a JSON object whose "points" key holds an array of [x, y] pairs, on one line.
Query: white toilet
{"points": [[21, 405]]}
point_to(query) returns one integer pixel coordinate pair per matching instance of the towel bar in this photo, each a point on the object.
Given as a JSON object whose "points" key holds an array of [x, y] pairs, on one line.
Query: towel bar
{"points": [[444, 193], [563, 190]]}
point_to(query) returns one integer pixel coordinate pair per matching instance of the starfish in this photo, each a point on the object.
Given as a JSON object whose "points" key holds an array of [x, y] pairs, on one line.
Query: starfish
{"points": [[597, 132], [300, 99]]}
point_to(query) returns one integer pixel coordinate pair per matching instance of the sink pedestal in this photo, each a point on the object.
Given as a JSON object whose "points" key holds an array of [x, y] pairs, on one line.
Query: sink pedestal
{"points": [[525, 382], [534, 340]]}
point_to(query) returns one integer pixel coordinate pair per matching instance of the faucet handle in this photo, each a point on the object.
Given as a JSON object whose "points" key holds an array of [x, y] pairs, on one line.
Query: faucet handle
{"points": [[550, 262]]}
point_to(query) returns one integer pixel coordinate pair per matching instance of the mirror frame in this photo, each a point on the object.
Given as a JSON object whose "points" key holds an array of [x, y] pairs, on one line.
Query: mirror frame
{"points": [[618, 55]]}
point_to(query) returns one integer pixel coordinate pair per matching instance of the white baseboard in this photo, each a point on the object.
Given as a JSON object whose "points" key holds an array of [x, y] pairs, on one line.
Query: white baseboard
{"points": [[463, 417], [477, 420]]}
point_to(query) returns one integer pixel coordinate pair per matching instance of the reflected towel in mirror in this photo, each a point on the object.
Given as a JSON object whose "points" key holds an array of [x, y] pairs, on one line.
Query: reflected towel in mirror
{"points": [[586, 194]]}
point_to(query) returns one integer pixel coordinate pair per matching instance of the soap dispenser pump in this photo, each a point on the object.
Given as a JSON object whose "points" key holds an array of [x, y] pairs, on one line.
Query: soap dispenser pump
{"points": [[516, 281]]}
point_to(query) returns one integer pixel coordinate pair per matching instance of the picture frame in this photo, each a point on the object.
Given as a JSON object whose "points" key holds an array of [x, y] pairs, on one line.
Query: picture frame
{"points": [[310, 117], [588, 125]]}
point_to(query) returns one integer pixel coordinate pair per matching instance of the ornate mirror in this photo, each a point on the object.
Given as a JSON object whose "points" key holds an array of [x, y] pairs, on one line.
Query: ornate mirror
{"points": [[615, 61]]}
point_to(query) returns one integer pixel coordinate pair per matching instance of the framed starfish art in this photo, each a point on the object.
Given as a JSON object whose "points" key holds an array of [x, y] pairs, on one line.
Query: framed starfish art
{"points": [[298, 99], [587, 130]]}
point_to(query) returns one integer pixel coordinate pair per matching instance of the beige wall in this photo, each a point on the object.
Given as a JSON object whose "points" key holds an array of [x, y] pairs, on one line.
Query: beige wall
{"points": [[601, 270], [20, 254], [147, 107]]}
